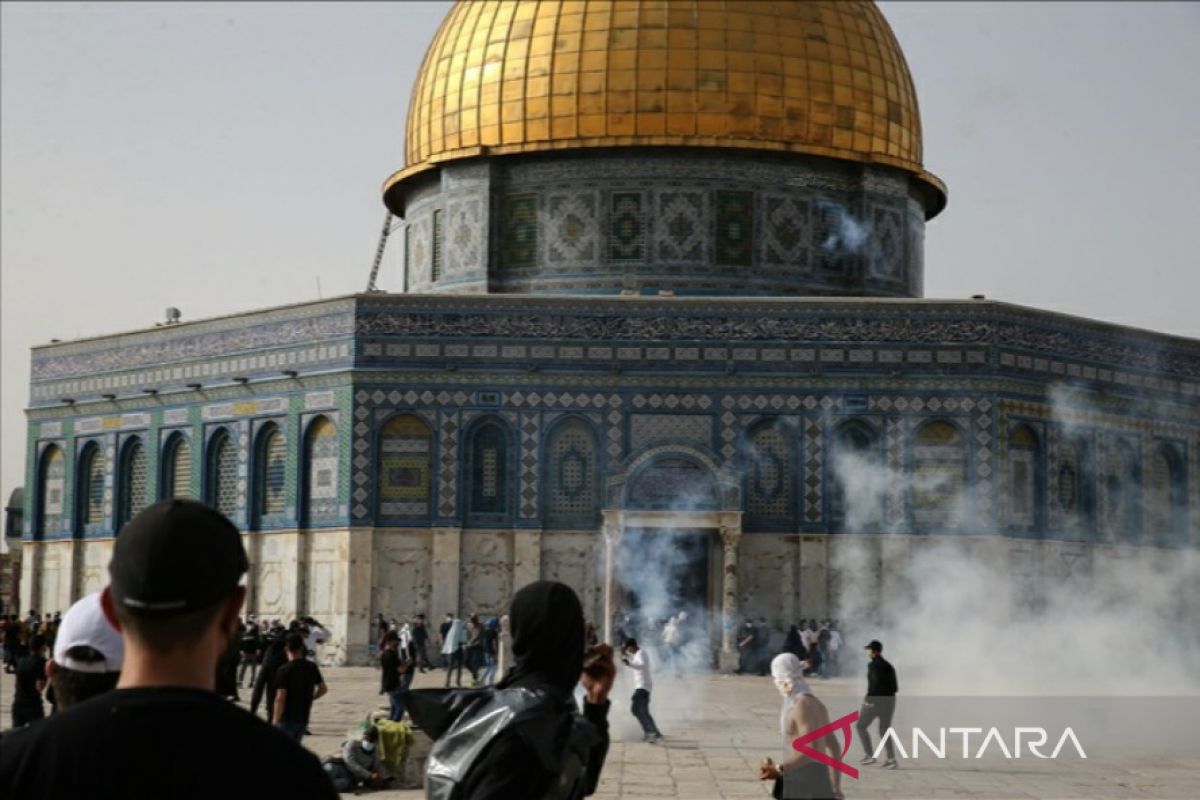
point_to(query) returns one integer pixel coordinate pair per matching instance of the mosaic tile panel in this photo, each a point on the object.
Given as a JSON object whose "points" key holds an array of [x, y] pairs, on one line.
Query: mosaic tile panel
{"points": [[572, 229], [939, 476], [520, 230], [627, 227], [405, 469], [52, 517], [646, 429], [1020, 495], [448, 428], [886, 255], [735, 228], [814, 469], [897, 430], [418, 248], [682, 233], [769, 475], [785, 232], [572, 482], [463, 236], [984, 490], [323, 459], [530, 427]]}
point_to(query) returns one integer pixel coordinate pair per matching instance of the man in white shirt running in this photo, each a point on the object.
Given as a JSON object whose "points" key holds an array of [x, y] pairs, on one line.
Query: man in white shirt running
{"points": [[639, 661]]}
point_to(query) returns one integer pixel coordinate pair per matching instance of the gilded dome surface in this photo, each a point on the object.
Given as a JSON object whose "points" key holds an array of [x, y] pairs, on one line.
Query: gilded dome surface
{"points": [[521, 76]]}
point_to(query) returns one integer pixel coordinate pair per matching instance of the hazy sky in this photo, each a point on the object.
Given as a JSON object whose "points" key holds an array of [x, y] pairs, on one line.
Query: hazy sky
{"points": [[224, 157]]}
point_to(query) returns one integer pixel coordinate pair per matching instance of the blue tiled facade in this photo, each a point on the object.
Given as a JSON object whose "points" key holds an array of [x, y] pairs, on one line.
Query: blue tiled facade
{"points": [[692, 379]]}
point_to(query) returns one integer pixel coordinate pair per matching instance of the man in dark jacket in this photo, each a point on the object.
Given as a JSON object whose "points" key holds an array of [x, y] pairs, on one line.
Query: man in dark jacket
{"points": [[544, 751], [879, 704], [274, 657]]}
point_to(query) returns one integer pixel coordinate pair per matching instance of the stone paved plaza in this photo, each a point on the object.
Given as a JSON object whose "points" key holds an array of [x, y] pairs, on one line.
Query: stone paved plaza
{"points": [[718, 728]]}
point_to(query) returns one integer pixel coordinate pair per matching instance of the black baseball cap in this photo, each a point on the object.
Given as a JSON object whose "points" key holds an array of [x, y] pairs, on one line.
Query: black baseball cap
{"points": [[875, 645], [174, 557]]}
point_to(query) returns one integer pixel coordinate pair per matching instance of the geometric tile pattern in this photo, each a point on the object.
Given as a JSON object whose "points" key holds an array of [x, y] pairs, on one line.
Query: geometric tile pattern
{"points": [[886, 255], [135, 479], [91, 493], [682, 236], [769, 475], [464, 240], [814, 457], [448, 480], [735, 228], [530, 439], [52, 517], [572, 485], [573, 229], [520, 230], [323, 471], [403, 480], [785, 232], [897, 430], [645, 429], [983, 483], [627, 229]]}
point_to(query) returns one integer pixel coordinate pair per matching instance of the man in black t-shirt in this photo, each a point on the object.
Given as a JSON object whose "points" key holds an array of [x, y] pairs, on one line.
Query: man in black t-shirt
{"points": [[297, 684], [392, 668], [163, 732], [31, 682]]}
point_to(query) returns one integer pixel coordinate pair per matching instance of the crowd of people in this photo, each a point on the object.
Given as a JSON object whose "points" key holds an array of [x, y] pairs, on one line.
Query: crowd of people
{"points": [[816, 645], [150, 665]]}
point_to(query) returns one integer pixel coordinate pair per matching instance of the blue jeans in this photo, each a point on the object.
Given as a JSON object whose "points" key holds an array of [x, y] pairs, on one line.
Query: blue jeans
{"points": [[292, 730], [395, 697]]}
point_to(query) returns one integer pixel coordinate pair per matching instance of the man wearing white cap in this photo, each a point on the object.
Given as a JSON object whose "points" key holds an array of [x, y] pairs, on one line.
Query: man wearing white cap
{"points": [[88, 654]]}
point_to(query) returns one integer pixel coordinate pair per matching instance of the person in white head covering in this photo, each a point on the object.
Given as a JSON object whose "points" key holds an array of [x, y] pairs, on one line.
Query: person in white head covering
{"points": [[799, 777], [88, 654]]}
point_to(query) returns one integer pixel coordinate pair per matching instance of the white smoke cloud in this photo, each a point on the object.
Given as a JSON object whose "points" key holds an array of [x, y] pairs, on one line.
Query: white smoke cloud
{"points": [[979, 613]]}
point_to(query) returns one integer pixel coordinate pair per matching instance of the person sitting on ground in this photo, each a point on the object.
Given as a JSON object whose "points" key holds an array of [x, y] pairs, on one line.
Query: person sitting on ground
{"points": [[163, 732], [359, 766], [88, 654]]}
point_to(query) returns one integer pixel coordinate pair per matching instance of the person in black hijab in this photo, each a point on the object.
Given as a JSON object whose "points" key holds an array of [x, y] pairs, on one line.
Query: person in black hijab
{"points": [[530, 758]]}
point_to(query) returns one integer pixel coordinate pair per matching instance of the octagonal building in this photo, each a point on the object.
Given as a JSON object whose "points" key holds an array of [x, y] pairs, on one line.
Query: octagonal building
{"points": [[662, 337]]}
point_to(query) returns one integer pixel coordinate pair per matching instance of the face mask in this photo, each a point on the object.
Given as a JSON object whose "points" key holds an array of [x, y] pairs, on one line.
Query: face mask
{"points": [[368, 746]]}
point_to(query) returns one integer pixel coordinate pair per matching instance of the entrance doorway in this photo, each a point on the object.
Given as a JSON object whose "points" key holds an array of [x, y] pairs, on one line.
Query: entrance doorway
{"points": [[663, 577]]}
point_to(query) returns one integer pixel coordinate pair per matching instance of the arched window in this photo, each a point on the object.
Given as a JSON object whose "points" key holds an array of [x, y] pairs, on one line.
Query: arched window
{"points": [[89, 496], [222, 491], [858, 479], [133, 482], [487, 484], [1167, 501], [572, 486], [769, 478], [1073, 486], [177, 468], [939, 476], [405, 467], [51, 485], [1024, 506], [321, 471], [270, 471]]}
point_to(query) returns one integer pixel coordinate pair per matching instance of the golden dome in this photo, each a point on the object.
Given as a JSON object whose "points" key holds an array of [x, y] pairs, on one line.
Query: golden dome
{"points": [[824, 77]]}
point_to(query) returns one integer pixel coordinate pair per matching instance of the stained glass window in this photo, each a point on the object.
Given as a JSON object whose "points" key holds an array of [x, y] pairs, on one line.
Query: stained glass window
{"points": [[133, 481], [572, 481], [223, 488], [322, 461], [405, 452], [50, 518], [488, 485], [91, 488], [272, 455], [769, 477], [177, 472], [939, 476]]}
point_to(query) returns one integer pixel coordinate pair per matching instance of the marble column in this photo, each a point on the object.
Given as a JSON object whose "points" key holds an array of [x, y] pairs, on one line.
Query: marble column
{"points": [[731, 535], [613, 527]]}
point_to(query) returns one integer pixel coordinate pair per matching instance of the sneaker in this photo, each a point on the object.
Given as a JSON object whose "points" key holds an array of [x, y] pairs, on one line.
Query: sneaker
{"points": [[652, 738], [868, 760], [891, 764]]}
